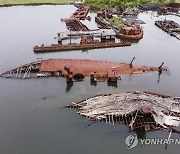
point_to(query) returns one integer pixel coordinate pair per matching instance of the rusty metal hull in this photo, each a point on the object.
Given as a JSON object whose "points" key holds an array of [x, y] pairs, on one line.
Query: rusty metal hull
{"points": [[59, 47], [77, 70], [133, 37]]}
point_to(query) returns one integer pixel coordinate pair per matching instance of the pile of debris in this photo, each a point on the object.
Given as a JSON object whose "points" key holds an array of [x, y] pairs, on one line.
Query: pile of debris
{"points": [[138, 110]]}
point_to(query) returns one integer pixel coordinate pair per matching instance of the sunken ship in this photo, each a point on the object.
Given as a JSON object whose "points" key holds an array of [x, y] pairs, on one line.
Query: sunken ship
{"points": [[78, 69], [138, 110]]}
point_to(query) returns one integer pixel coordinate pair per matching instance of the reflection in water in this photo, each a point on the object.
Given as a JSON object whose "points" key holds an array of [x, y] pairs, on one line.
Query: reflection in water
{"points": [[159, 76], [93, 83], [69, 86], [141, 134], [112, 84]]}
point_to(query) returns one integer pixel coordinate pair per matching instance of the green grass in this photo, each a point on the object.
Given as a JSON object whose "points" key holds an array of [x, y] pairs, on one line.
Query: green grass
{"points": [[12, 2], [126, 3], [101, 3], [116, 22]]}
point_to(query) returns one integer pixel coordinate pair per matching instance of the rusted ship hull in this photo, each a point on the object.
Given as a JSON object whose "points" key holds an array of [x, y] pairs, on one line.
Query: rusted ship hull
{"points": [[77, 70], [133, 37], [59, 47]]}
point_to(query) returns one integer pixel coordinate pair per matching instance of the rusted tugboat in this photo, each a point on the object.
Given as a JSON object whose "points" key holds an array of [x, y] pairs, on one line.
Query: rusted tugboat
{"points": [[138, 110], [134, 32], [77, 70]]}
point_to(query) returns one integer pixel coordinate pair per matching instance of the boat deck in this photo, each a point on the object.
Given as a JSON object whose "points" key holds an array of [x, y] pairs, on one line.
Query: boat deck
{"points": [[86, 67]]}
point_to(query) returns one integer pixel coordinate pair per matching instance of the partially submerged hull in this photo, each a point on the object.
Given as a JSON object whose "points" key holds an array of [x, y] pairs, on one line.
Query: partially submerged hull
{"points": [[138, 110], [77, 70]]}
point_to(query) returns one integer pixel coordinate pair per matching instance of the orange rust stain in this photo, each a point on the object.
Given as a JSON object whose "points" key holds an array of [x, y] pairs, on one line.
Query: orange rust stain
{"points": [[86, 67]]}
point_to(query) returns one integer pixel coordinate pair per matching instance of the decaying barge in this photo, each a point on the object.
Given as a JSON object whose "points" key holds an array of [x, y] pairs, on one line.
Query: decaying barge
{"points": [[85, 43], [138, 110], [77, 70], [169, 26]]}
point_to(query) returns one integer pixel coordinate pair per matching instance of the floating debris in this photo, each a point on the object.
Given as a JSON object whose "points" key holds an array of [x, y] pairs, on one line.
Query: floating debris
{"points": [[138, 110], [77, 70], [169, 26]]}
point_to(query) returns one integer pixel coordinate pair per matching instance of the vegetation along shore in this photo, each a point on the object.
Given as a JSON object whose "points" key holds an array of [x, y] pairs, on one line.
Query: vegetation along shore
{"points": [[97, 3]]}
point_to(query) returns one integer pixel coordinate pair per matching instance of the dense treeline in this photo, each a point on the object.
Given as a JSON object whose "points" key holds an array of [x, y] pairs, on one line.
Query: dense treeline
{"points": [[126, 3]]}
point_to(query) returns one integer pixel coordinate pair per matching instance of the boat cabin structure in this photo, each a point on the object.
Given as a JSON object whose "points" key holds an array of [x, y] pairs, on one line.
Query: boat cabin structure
{"points": [[133, 32]]}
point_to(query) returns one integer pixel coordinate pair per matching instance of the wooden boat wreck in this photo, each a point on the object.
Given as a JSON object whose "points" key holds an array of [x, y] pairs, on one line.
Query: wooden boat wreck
{"points": [[169, 26], [138, 110], [133, 32], [77, 70], [85, 43]]}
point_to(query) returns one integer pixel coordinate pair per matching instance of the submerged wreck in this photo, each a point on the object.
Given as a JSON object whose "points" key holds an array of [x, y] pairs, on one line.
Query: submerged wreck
{"points": [[77, 70], [138, 110], [169, 26]]}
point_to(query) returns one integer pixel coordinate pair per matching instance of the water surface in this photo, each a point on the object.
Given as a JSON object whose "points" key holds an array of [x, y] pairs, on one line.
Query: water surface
{"points": [[32, 114]]}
